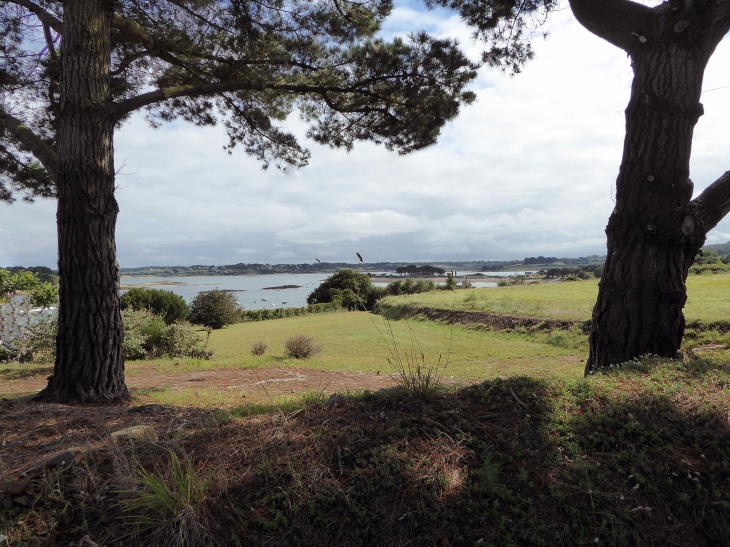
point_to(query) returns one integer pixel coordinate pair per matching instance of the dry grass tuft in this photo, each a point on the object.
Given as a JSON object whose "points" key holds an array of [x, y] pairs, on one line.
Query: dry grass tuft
{"points": [[258, 348], [301, 346]]}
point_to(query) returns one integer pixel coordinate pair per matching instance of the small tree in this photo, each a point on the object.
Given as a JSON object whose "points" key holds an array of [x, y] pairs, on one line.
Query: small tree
{"points": [[450, 282], [215, 309], [168, 305], [347, 286]]}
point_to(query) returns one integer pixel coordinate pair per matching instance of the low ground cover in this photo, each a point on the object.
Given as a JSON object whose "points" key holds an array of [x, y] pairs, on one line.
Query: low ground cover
{"points": [[640, 456]]}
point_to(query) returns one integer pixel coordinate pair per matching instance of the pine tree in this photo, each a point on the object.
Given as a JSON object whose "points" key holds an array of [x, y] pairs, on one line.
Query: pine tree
{"points": [[656, 228], [74, 70]]}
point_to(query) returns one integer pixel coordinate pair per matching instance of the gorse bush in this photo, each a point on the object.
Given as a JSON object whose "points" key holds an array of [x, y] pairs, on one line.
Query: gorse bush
{"points": [[215, 309], [165, 304], [301, 346]]}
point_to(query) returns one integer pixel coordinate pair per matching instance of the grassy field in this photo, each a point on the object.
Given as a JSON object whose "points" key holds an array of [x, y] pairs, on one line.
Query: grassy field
{"points": [[352, 341], [359, 341], [708, 299]]}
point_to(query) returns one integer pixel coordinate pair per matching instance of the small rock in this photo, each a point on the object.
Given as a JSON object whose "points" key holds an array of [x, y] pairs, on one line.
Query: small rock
{"points": [[141, 432], [17, 488], [336, 400], [150, 409], [25, 499], [62, 459]]}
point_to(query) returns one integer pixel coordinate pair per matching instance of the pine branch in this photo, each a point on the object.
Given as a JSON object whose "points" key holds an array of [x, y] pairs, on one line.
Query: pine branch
{"points": [[712, 205], [44, 16], [619, 22], [30, 141], [198, 90]]}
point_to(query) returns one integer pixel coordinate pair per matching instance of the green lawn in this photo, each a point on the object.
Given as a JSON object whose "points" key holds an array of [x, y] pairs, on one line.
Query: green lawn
{"points": [[353, 341], [708, 299]]}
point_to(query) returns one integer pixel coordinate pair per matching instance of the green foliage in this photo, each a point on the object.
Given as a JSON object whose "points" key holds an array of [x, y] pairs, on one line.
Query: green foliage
{"points": [[409, 286], [711, 267], [42, 294], [450, 282], [215, 309], [165, 304], [147, 336], [350, 288], [279, 313], [301, 346]]}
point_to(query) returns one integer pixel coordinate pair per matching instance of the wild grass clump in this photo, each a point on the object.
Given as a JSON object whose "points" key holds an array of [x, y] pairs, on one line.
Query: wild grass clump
{"points": [[301, 346], [419, 377], [258, 348], [170, 505]]}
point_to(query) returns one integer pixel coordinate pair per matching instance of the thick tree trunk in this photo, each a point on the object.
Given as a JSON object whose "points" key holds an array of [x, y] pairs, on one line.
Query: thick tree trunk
{"points": [[89, 361], [652, 238]]}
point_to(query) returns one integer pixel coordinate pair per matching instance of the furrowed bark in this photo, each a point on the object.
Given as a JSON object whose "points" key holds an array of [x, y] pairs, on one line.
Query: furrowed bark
{"points": [[89, 360]]}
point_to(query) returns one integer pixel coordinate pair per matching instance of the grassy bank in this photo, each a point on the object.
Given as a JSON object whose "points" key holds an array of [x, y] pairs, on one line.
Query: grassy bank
{"points": [[708, 299], [640, 457]]}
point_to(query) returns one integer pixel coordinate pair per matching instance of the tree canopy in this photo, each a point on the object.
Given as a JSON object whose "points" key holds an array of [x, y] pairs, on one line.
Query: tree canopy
{"points": [[244, 64]]}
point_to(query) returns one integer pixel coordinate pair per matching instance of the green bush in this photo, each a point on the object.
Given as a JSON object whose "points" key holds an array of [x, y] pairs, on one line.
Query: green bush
{"points": [[278, 313], [409, 286], [165, 304], [350, 288], [215, 309], [147, 336]]}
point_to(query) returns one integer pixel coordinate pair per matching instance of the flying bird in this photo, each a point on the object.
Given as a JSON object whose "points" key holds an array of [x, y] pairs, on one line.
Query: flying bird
{"points": [[318, 260], [359, 256]]}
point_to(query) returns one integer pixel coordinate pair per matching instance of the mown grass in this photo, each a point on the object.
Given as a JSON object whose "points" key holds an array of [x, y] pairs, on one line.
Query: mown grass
{"points": [[355, 341], [640, 456], [708, 299], [352, 342]]}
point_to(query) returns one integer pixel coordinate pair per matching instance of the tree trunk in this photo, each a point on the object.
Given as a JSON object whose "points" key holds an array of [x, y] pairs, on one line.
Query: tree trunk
{"points": [[89, 360], [652, 238]]}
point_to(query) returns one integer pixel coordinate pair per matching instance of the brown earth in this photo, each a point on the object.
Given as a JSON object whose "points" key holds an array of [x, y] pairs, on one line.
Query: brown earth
{"points": [[31, 431]]}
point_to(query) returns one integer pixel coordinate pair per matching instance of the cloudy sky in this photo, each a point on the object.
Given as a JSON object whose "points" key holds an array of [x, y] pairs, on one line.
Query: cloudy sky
{"points": [[526, 170]]}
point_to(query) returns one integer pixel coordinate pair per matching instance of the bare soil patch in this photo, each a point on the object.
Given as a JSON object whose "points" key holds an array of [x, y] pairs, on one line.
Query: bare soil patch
{"points": [[255, 385]]}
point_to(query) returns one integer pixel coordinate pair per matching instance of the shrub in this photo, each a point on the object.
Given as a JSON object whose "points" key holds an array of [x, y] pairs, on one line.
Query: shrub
{"points": [[301, 346], [166, 304], [146, 335], [258, 348], [349, 287], [410, 287], [215, 309], [450, 282]]}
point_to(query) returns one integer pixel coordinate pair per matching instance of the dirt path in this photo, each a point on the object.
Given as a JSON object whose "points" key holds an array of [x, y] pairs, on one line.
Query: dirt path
{"points": [[255, 385]]}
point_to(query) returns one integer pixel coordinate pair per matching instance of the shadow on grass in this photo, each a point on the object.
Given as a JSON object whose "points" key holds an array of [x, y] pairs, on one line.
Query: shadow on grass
{"points": [[508, 462], [638, 458], [19, 372]]}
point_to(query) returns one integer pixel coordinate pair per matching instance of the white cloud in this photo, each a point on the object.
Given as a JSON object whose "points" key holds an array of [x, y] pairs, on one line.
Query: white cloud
{"points": [[528, 169]]}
